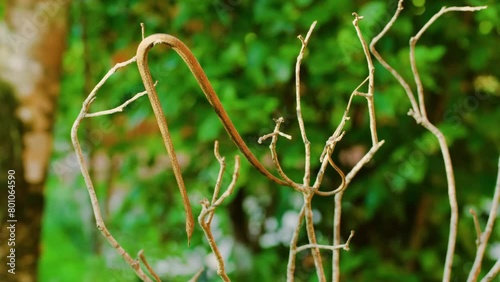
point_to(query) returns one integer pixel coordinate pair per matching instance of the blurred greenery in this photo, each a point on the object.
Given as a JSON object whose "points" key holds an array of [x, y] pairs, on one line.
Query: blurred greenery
{"points": [[397, 205]]}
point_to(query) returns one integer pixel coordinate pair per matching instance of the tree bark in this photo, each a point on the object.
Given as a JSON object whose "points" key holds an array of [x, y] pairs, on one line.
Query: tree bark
{"points": [[32, 41]]}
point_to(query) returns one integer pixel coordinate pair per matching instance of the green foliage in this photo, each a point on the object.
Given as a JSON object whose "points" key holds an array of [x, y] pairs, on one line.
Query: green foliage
{"points": [[248, 50]]}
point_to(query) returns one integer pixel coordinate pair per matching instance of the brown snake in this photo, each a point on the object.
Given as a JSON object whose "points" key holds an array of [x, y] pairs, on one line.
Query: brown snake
{"points": [[200, 76]]}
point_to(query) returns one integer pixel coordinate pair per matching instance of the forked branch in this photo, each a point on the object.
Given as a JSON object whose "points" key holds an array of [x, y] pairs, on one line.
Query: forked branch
{"points": [[419, 113], [208, 209], [86, 176], [483, 237]]}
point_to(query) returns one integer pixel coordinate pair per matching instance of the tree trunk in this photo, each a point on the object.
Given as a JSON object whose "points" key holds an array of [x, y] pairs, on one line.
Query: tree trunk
{"points": [[32, 41]]}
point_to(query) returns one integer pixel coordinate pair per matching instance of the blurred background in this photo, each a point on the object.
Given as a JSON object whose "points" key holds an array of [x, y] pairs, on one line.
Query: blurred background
{"points": [[52, 54]]}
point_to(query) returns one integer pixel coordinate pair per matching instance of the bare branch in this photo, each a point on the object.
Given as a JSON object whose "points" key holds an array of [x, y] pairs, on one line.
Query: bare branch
{"points": [[330, 146], [208, 209], [371, 89], [492, 273], [150, 269], [222, 168], [483, 239], [311, 235], [420, 115], [231, 186], [197, 275], [413, 42], [337, 216], [119, 108], [414, 111], [274, 155], [342, 185], [476, 225], [290, 269], [88, 181], [366, 158], [344, 246], [307, 145]]}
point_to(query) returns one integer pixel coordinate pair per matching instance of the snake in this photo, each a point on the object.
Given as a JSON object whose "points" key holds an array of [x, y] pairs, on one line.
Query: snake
{"points": [[194, 66]]}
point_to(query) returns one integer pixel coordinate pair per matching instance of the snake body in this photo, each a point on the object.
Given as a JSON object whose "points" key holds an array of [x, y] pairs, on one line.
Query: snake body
{"points": [[200, 76]]}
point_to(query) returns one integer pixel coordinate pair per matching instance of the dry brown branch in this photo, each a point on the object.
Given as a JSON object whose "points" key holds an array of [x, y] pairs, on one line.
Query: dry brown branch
{"points": [[485, 236], [150, 269], [420, 115], [208, 209], [88, 181], [197, 275]]}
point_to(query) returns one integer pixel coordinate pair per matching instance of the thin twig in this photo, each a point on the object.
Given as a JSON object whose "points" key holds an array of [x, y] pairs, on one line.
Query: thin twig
{"points": [[371, 72], [150, 269], [88, 181], [307, 144], [274, 155], [492, 273], [311, 235], [420, 115], [290, 269], [339, 192], [308, 193], [119, 108], [266, 136], [413, 42], [476, 225], [142, 30], [344, 246], [197, 275], [483, 239], [441, 139], [414, 111], [366, 158], [337, 216], [208, 209], [338, 208], [330, 146], [342, 185], [222, 168]]}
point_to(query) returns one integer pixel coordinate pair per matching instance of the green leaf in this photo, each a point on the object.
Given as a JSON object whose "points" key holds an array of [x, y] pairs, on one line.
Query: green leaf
{"points": [[210, 127]]}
